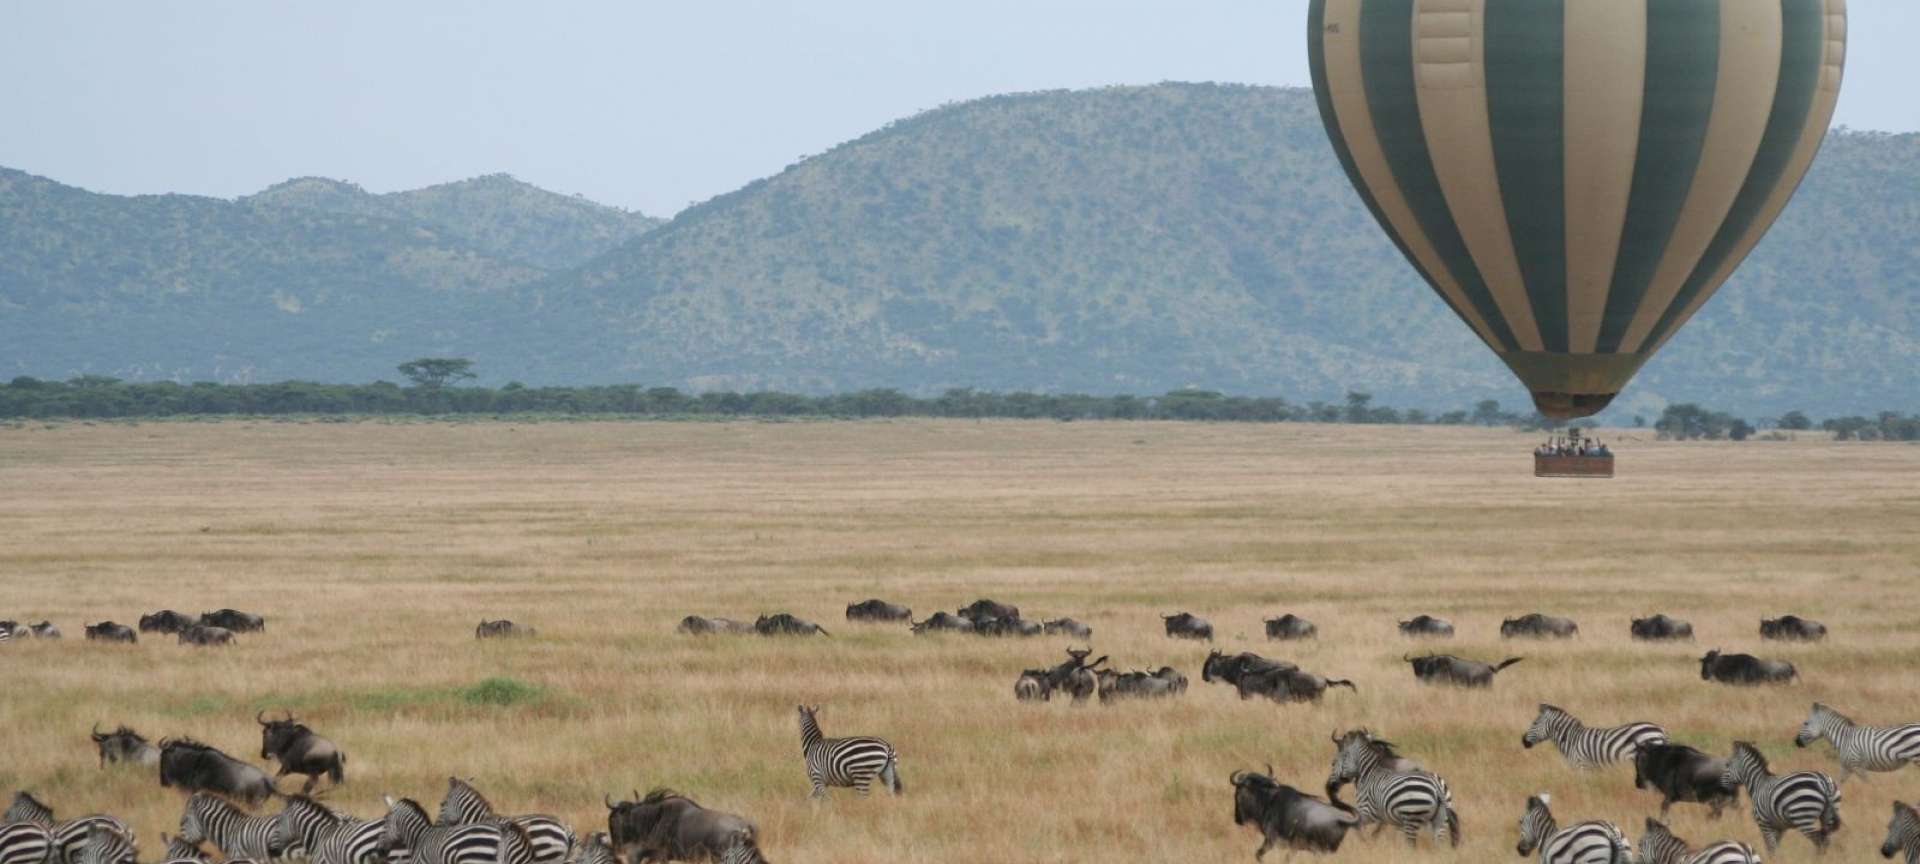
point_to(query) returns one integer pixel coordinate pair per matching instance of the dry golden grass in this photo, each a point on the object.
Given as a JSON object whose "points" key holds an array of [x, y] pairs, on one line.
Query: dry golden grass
{"points": [[374, 548]]}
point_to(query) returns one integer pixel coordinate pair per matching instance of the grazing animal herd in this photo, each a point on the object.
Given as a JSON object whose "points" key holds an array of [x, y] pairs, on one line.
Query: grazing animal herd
{"points": [[1388, 788]]}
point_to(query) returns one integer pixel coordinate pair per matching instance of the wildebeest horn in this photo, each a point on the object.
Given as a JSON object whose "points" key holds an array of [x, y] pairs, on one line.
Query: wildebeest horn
{"points": [[96, 732], [1335, 736], [260, 717], [1234, 778], [607, 800], [1270, 769]]}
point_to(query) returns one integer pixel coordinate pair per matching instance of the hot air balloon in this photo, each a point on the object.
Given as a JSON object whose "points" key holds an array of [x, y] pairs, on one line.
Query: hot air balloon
{"points": [[1576, 177]]}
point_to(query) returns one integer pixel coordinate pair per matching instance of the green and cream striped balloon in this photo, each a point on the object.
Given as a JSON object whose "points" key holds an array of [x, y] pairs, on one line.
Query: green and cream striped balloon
{"points": [[1576, 177]]}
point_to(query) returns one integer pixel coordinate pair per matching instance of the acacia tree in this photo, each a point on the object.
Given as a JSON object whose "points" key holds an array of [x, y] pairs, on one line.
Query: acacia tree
{"points": [[433, 373]]}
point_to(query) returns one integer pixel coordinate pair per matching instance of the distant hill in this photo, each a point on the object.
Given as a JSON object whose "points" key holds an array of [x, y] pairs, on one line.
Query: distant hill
{"points": [[1124, 239], [496, 214]]}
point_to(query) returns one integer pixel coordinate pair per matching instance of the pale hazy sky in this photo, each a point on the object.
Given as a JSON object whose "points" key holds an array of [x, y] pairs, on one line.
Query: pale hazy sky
{"points": [[649, 105]]}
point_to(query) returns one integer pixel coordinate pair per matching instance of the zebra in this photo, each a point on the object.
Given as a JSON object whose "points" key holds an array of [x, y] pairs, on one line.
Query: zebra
{"points": [[743, 851], [1659, 846], [1807, 801], [1410, 799], [407, 827], [237, 835], [329, 837], [181, 852], [25, 843], [845, 761], [464, 805], [1592, 842], [69, 837], [1861, 748], [1586, 747], [1903, 833], [106, 846]]}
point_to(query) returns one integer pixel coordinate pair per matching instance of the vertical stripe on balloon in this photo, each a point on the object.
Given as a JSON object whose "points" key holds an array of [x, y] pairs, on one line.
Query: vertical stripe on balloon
{"points": [[1451, 90], [1525, 68], [1607, 59]]}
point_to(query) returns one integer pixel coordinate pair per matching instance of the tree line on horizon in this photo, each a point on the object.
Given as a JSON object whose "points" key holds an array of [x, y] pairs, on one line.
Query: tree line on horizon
{"points": [[432, 390]]}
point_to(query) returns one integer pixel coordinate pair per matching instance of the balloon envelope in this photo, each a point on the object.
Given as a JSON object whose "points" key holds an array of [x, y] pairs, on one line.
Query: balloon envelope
{"points": [[1575, 177]]}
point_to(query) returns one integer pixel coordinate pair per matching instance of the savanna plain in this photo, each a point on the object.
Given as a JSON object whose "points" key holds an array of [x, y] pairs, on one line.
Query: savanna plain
{"points": [[374, 548]]}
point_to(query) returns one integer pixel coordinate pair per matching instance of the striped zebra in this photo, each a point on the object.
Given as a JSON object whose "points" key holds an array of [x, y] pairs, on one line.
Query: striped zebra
{"points": [[1593, 842], [407, 827], [845, 761], [330, 837], [1659, 846], [106, 846], [1861, 748], [1903, 833], [1589, 747], [25, 843], [743, 851], [1407, 799], [1807, 801], [211, 819], [464, 805], [181, 852], [11, 629], [69, 837]]}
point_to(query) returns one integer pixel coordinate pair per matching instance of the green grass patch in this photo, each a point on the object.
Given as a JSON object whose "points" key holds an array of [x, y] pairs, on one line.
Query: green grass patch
{"points": [[503, 691]]}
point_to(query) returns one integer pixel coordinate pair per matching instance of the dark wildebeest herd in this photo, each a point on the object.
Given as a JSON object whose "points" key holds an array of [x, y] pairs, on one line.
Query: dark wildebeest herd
{"points": [[1388, 788]]}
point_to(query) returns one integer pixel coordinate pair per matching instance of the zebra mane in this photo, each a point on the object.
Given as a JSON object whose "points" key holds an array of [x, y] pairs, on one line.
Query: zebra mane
{"points": [[455, 784], [661, 794], [410, 804], [215, 800], [1759, 759], [304, 800]]}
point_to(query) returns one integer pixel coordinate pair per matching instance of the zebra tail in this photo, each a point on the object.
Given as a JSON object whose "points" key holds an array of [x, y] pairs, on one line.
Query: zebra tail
{"points": [[1830, 816], [1453, 826], [891, 773], [338, 771]]}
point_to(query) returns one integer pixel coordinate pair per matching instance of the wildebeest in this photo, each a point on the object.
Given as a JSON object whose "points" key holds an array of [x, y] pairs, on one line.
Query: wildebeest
{"points": [[1032, 686], [1288, 685], [165, 621], [124, 745], [502, 627], [1186, 625], [943, 621], [235, 620], [1681, 774], [1744, 669], [1291, 626], [1075, 675], [784, 624], [1231, 667], [196, 767], [980, 610], [878, 610], [201, 634], [107, 631], [1007, 627], [667, 826], [1066, 627], [1427, 625], [1538, 626], [299, 751], [1660, 627], [1448, 669], [1165, 681], [44, 630], [698, 625], [1792, 628], [1287, 817]]}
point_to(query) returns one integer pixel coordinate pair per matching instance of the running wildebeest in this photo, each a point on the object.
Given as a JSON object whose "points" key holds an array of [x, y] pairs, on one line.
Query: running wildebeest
{"points": [[299, 751], [667, 826], [1232, 667], [1165, 681], [697, 625], [1744, 669], [107, 631], [502, 627], [1427, 625], [196, 767], [1186, 625], [1288, 685], [1007, 627], [1661, 627], [878, 610], [201, 634], [980, 610], [784, 624], [1066, 627], [1792, 628], [124, 745], [1448, 669], [1287, 817], [1032, 686], [1681, 774], [165, 621], [235, 620], [1538, 626], [1291, 626], [44, 630], [943, 621]]}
